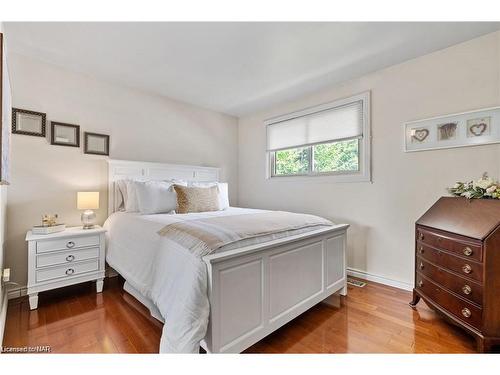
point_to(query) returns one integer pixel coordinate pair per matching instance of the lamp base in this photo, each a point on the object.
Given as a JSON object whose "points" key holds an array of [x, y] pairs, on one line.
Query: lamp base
{"points": [[88, 219]]}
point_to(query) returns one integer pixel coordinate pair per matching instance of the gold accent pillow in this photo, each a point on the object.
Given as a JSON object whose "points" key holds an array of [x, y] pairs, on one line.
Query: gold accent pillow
{"points": [[196, 199]]}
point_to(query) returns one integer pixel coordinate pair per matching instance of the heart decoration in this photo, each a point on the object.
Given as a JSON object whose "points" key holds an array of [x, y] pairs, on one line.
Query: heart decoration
{"points": [[420, 134], [478, 129]]}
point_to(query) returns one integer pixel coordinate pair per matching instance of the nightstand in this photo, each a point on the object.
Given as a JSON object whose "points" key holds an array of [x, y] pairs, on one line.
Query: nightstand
{"points": [[64, 258]]}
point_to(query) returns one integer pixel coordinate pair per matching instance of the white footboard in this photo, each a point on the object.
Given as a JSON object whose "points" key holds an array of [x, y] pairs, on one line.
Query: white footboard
{"points": [[255, 290]]}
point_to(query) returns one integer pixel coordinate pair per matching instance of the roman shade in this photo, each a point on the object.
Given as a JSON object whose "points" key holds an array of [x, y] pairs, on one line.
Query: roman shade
{"points": [[328, 125]]}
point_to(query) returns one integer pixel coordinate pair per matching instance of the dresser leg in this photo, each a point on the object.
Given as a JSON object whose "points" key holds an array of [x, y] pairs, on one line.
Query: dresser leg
{"points": [[33, 298], [415, 300], [484, 345], [98, 285]]}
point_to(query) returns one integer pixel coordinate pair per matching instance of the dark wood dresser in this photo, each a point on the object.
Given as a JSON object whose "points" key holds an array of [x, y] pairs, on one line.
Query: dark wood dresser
{"points": [[457, 265]]}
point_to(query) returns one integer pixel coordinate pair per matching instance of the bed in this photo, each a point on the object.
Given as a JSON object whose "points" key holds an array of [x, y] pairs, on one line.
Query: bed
{"points": [[228, 300]]}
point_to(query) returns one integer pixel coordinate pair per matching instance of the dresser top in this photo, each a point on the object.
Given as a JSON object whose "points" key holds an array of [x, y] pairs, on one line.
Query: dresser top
{"points": [[475, 218], [68, 232]]}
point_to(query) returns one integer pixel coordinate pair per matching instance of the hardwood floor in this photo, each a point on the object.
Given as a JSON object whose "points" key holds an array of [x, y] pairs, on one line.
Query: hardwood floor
{"points": [[373, 319]]}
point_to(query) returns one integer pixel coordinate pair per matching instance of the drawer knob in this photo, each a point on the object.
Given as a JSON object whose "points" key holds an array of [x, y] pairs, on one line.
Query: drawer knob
{"points": [[466, 312], [70, 258], [468, 251], [420, 236], [467, 269], [421, 266], [420, 283], [466, 289], [70, 271], [70, 244], [421, 249]]}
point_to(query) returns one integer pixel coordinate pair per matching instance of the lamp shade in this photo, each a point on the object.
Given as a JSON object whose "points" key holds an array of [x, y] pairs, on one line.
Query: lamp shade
{"points": [[87, 200]]}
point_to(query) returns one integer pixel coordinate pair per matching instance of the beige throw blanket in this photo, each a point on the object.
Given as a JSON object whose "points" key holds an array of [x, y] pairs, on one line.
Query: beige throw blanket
{"points": [[203, 236]]}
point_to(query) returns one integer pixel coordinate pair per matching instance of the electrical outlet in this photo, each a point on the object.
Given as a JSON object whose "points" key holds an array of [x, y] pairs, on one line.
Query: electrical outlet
{"points": [[6, 275]]}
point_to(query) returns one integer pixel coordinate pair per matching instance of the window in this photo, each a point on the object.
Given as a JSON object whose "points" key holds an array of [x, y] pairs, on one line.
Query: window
{"points": [[331, 139]]}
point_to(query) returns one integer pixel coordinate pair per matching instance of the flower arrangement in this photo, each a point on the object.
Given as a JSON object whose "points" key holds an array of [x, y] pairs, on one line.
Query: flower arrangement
{"points": [[484, 188]]}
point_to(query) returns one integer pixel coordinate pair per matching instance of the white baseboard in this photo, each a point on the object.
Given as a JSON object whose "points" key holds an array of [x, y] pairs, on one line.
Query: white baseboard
{"points": [[17, 292], [379, 279], [3, 314]]}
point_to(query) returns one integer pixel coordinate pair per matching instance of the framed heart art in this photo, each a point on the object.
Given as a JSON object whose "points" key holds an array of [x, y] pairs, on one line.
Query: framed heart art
{"points": [[455, 130]]}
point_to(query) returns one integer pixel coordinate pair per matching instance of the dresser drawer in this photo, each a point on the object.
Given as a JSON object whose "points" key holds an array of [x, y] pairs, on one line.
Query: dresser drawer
{"points": [[468, 289], [461, 266], [463, 310], [452, 243], [66, 271], [66, 257], [66, 243]]}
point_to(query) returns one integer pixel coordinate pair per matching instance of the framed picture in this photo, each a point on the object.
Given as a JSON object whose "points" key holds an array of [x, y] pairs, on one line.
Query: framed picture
{"points": [[62, 134], [28, 122], [456, 130], [97, 144]]}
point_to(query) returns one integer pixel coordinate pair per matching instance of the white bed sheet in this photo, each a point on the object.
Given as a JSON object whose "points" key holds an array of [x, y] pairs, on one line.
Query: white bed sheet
{"points": [[168, 274]]}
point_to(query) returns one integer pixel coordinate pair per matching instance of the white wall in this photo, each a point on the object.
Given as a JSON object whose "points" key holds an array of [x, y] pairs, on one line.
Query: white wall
{"points": [[382, 214], [146, 127]]}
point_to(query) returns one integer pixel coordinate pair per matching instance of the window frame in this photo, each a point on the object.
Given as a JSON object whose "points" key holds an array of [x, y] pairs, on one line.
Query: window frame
{"points": [[364, 143]]}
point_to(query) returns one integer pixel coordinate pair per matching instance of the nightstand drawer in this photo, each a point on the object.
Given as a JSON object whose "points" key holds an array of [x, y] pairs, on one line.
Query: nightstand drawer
{"points": [[66, 243], [66, 257], [66, 271]]}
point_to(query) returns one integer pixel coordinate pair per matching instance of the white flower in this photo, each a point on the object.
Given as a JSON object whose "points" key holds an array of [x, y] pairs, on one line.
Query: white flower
{"points": [[467, 194], [483, 183], [457, 185], [491, 189]]}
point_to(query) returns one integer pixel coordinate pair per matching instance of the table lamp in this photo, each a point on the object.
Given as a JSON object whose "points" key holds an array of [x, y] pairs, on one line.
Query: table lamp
{"points": [[88, 201]]}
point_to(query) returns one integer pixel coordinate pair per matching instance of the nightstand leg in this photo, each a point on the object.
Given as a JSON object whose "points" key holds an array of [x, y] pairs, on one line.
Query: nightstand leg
{"points": [[33, 301], [343, 291], [99, 284]]}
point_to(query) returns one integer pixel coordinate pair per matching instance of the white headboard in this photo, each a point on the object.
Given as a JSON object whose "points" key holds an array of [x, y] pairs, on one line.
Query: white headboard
{"points": [[140, 170]]}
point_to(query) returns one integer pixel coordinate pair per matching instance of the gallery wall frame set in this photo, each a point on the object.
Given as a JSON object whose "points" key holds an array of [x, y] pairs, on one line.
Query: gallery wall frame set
{"points": [[463, 129], [33, 123]]}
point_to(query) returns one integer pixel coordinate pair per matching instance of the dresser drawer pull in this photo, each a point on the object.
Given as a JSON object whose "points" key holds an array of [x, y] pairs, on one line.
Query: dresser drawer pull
{"points": [[421, 266], [420, 236], [70, 271], [467, 269], [468, 251], [466, 289], [70, 244], [420, 283], [421, 249], [70, 258], [466, 312]]}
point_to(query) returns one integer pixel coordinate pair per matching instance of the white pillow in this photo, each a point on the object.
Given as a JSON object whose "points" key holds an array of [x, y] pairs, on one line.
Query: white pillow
{"points": [[155, 197], [131, 203], [121, 186], [223, 192]]}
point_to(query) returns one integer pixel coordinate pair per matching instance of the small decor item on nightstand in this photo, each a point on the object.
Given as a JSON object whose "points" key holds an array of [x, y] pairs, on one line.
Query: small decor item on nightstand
{"points": [[49, 225], [484, 188], [88, 201]]}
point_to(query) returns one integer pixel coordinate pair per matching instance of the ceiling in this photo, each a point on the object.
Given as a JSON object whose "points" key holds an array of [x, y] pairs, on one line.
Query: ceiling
{"points": [[235, 68]]}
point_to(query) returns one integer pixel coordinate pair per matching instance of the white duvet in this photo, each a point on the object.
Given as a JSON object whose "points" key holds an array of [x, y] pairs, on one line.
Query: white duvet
{"points": [[168, 274]]}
